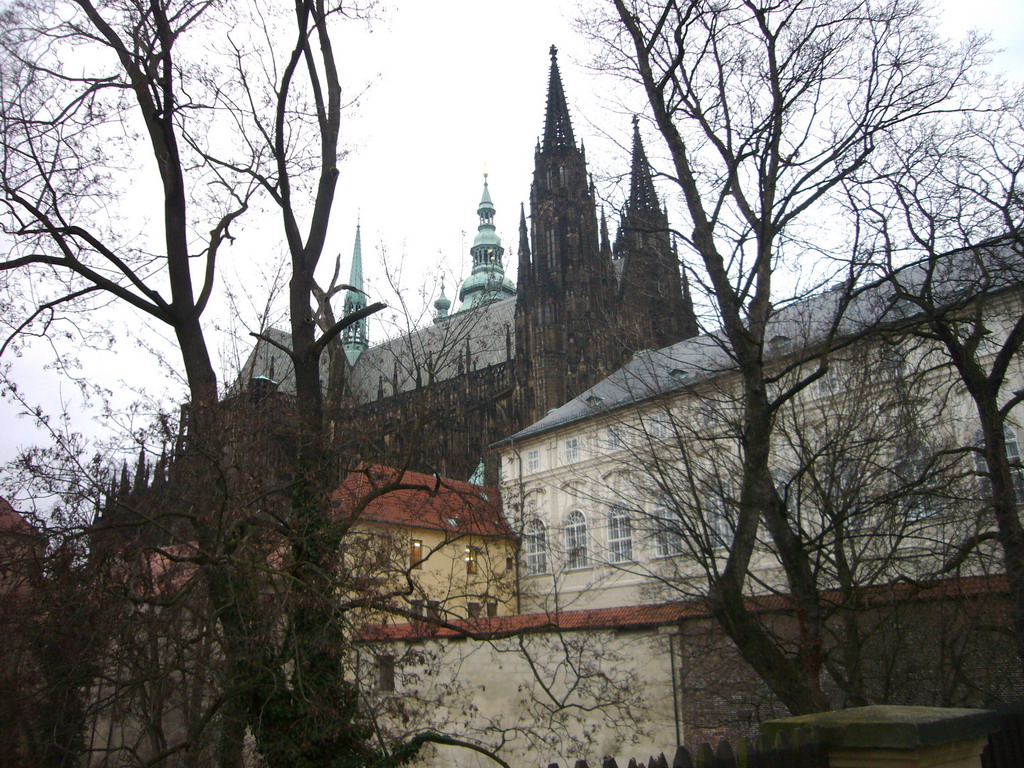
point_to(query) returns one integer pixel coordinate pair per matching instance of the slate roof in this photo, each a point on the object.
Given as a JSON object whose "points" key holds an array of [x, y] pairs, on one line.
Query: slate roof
{"points": [[440, 351], [802, 327], [465, 341], [422, 501]]}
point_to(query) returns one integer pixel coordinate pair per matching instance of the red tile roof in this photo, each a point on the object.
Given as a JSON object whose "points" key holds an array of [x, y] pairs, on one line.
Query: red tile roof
{"points": [[387, 495], [645, 616], [11, 521]]}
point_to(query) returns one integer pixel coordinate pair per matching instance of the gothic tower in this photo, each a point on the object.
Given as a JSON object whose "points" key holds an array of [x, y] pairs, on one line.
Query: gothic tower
{"points": [[654, 302], [566, 285]]}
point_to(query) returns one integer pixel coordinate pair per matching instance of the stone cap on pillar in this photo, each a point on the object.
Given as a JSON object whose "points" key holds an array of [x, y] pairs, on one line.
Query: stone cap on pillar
{"points": [[890, 727]]}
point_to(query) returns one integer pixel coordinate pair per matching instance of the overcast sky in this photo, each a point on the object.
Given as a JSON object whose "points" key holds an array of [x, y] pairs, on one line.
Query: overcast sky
{"points": [[455, 88]]}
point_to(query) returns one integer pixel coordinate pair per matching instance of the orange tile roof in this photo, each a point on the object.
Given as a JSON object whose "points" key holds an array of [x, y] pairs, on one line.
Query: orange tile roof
{"points": [[388, 495], [661, 614]]}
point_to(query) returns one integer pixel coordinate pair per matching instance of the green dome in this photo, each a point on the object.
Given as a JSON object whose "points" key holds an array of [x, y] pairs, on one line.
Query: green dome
{"points": [[485, 237]]}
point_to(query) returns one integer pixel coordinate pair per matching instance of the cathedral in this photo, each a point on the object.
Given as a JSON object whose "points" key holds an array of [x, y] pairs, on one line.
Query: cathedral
{"points": [[435, 399]]}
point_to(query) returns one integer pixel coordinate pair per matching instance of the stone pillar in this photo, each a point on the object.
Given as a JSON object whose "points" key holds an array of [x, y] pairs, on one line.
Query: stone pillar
{"points": [[897, 737]]}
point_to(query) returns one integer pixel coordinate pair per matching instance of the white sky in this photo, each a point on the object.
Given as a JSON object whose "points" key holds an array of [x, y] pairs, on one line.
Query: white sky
{"points": [[457, 87]]}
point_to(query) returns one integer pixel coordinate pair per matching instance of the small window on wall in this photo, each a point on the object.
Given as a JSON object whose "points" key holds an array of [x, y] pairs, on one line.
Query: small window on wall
{"points": [[416, 554], [660, 427], [533, 461], [572, 449], [471, 555], [473, 610], [386, 673], [492, 609], [434, 610], [614, 437], [416, 609]]}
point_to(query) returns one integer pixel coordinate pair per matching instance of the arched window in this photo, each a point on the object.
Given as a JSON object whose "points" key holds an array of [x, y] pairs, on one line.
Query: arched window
{"points": [[620, 535], [576, 540], [536, 546]]}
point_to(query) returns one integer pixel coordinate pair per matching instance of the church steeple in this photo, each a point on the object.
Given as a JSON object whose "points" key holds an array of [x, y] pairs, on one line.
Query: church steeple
{"points": [[566, 296], [606, 243], [655, 304], [487, 282], [354, 338], [643, 199], [524, 255], [557, 126]]}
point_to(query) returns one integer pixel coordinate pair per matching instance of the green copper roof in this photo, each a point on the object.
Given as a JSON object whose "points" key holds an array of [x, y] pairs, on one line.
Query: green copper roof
{"points": [[487, 281], [442, 304], [354, 338]]}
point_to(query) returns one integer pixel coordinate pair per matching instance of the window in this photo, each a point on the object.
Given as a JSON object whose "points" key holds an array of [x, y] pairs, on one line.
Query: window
{"points": [[913, 470], [613, 437], [533, 461], [471, 557], [1012, 455], [434, 610], [385, 673], [473, 610], [660, 427], [572, 449], [620, 536], [576, 540], [492, 609], [892, 361], [719, 526], [416, 609], [668, 540], [832, 381], [847, 492], [416, 554], [536, 546]]}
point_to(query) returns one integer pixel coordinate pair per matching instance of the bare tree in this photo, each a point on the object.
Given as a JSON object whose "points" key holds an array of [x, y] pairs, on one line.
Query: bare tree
{"points": [[765, 110], [945, 196], [86, 89]]}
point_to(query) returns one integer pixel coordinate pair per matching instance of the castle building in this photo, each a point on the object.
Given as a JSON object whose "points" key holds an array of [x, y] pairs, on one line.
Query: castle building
{"points": [[436, 398]]}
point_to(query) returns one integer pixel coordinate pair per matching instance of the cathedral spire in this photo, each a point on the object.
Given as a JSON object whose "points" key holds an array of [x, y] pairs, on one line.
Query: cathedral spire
{"points": [[557, 126], [141, 470], [643, 199], [606, 243], [354, 338]]}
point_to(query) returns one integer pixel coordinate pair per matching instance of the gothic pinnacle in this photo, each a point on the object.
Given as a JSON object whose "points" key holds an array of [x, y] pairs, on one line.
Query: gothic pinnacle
{"points": [[558, 134]]}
